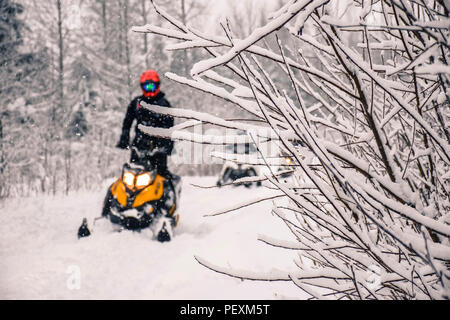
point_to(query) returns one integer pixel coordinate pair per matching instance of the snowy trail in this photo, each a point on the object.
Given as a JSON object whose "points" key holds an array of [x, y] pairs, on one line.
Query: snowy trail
{"points": [[38, 245]]}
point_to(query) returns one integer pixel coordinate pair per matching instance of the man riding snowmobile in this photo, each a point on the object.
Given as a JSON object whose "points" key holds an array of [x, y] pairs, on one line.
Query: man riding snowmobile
{"points": [[151, 94], [146, 194]]}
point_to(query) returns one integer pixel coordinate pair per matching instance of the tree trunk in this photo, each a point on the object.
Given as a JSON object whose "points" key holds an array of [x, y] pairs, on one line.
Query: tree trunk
{"points": [[144, 18], [68, 166], [127, 49], [120, 31], [185, 54], [2, 156], [104, 23], [60, 64]]}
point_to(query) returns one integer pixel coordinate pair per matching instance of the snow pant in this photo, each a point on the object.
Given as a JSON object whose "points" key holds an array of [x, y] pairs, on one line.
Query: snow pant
{"points": [[142, 143]]}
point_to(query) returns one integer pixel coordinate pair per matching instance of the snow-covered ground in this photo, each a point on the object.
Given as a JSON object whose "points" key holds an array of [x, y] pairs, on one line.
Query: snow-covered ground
{"points": [[40, 253]]}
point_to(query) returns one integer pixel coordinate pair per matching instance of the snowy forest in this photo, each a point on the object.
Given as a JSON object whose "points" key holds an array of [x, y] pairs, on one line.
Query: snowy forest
{"points": [[69, 70], [355, 93]]}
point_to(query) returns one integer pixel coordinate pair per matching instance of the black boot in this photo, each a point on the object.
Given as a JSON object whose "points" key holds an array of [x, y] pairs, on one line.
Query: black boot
{"points": [[163, 235], [83, 230]]}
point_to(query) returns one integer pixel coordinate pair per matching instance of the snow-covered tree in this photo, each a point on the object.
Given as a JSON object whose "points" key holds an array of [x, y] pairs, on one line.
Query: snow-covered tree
{"points": [[23, 87], [368, 202]]}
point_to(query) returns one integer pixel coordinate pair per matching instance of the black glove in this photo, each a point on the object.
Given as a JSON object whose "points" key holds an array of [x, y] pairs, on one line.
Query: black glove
{"points": [[123, 143]]}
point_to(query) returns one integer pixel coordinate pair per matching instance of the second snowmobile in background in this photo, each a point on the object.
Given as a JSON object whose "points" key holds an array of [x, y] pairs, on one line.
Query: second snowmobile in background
{"points": [[232, 170]]}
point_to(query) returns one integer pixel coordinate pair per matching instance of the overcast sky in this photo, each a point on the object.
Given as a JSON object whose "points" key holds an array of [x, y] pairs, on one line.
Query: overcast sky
{"points": [[222, 8]]}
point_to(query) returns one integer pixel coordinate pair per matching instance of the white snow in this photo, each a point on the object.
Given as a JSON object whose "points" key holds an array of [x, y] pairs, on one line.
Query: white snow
{"points": [[39, 249]]}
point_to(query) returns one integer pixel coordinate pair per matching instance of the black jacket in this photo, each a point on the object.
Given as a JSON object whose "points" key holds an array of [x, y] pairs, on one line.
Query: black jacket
{"points": [[136, 111]]}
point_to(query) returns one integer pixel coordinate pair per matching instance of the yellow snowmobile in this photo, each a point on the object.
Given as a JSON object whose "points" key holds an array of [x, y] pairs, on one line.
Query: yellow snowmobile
{"points": [[140, 199]]}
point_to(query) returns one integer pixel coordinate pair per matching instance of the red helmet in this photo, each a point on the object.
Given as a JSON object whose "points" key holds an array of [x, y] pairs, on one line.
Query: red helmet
{"points": [[150, 83]]}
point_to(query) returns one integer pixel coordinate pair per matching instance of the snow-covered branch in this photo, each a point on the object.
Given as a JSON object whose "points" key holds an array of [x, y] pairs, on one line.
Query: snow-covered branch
{"points": [[365, 117]]}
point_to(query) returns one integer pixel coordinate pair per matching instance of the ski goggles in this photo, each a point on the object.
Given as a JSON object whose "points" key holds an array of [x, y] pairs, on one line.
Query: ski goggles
{"points": [[150, 86]]}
